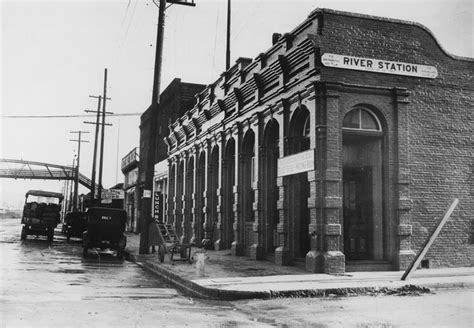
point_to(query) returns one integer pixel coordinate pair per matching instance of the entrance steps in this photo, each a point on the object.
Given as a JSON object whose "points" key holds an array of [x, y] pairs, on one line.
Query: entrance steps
{"points": [[368, 265]]}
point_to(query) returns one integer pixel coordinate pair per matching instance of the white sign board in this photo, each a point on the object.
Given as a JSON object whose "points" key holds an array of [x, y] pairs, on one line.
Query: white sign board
{"points": [[146, 193], [297, 163], [161, 168], [379, 66], [112, 194]]}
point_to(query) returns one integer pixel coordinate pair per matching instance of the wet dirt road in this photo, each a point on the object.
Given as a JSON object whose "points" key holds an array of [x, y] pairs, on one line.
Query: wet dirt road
{"points": [[51, 285]]}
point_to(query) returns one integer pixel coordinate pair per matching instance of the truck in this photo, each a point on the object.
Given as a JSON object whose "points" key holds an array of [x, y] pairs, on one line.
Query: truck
{"points": [[41, 213]]}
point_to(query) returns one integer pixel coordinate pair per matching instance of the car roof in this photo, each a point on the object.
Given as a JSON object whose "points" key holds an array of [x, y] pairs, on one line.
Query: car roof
{"points": [[44, 193]]}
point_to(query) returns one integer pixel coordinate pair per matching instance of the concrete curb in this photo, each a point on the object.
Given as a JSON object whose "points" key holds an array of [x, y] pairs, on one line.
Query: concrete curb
{"points": [[193, 289]]}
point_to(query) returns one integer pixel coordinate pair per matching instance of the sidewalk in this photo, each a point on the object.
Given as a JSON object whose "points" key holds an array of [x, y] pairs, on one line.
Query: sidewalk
{"points": [[230, 277]]}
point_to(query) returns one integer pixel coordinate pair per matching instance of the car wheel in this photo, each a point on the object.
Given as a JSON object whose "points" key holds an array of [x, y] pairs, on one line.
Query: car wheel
{"points": [[85, 252], [50, 235], [24, 233]]}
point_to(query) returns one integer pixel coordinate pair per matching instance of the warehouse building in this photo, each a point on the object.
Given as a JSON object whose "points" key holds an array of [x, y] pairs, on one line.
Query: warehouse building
{"points": [[338, 149]]}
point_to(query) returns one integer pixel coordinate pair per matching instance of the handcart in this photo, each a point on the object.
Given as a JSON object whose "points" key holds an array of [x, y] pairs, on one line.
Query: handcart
{"points": [[170, 243]]}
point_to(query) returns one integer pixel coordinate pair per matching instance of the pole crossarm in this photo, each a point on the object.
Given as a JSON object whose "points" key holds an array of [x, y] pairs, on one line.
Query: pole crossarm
{"points": [[30, 170]]}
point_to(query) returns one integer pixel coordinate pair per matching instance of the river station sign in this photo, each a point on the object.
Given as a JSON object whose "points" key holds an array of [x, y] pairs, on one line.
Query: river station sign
{"points": [[379, 66]]}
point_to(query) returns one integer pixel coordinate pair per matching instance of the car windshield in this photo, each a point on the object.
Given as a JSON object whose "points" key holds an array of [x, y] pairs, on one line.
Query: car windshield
{"points": [[42, 199]]}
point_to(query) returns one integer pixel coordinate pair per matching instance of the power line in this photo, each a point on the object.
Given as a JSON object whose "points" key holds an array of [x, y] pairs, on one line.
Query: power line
{"points": [[67, 116]]}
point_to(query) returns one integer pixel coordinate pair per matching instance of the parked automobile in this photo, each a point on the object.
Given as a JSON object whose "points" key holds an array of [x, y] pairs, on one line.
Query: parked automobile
{"points": [[75, 223], [41, 213], [105, 230]]}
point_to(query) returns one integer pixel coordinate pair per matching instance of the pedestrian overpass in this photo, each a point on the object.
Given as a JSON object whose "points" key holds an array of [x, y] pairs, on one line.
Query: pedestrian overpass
{"points": [[20, 169]]}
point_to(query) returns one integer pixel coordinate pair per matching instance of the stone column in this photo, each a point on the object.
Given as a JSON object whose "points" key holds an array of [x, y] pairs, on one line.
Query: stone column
{"points": [[257, 251], [178, 195], [404, 202], [282, 252], [184, 200], [315, 228], [194, 202], [219, 207], [207, 202], [237, 247], [329, 258]]}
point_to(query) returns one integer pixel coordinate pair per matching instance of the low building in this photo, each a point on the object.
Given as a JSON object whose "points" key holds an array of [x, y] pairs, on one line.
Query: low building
{"points": [[129, 167], [340, 147]]}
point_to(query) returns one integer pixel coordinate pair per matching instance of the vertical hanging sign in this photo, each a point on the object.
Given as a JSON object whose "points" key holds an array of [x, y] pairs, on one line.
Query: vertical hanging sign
{"points": [[158, 206]]}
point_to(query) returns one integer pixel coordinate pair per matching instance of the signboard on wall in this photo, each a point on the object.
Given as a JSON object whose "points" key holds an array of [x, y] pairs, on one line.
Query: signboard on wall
{"points": [[379, 66], [297, 163], [146, 193], [113, 194], [158, 206]]}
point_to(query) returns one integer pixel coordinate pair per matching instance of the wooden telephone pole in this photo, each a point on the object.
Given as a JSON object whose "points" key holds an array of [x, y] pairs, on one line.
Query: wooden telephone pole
{"points": [[97, 124], [155, 101], [76, 176], [227, 53]]}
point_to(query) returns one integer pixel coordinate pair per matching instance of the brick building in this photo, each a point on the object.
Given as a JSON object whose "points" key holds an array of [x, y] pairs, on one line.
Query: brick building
{"points": [[175, 100], [340, 146]]}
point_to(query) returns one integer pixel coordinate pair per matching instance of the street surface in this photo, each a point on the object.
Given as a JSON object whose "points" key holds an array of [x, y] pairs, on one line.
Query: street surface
{"points": [[46, 285], [50, 285]]}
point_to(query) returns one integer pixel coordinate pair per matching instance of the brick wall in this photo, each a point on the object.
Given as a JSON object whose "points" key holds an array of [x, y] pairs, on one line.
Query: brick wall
{"points": [[440, 128]]}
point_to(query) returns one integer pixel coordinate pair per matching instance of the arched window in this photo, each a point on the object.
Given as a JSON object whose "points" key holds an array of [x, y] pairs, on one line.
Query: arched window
{"points": [[361, 119], [306, 128], [299, 132]]}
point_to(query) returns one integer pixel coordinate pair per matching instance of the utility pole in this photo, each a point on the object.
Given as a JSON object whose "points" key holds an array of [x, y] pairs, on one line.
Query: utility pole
{"points": [[76, 178], [227, 53], [101, 162], [155, 101], [96, 137]]}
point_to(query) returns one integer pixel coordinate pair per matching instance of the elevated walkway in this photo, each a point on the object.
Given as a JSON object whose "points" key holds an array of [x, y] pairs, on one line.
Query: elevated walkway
{"points": [[20, 169]]}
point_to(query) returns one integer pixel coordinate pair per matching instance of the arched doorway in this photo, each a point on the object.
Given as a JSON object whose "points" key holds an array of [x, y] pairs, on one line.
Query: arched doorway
{"points": [[270, 189], [213, 184], [188, 198], [178, 200], [227, 233], [248, 195], [299, 186], [363, 185], [199, 198]]}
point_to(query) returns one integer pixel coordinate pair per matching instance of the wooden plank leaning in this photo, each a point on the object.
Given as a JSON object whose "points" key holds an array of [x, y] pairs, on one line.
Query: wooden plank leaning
{"points": [[416, 261]]}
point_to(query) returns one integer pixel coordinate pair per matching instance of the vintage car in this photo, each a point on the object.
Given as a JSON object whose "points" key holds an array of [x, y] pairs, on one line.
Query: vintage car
{"points": [[105, 230], [41, 213], [75, 223]]}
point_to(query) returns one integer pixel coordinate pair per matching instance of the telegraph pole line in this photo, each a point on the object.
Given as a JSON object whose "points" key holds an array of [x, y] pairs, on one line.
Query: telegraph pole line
{"points": [[76, 178], [96, 137], [227, 53], [155, 101]]}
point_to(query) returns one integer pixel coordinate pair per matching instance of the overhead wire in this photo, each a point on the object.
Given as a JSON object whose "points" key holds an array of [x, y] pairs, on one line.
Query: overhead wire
{"points": [[69, 116], [215, 42]]}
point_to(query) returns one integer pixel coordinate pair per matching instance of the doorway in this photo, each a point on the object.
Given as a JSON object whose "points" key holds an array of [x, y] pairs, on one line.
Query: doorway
{"points": [[358, 218], [363, 223]]}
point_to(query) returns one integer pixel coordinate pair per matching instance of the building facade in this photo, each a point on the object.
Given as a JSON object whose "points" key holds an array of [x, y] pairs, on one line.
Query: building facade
{"points": [[341, 145], [129, 167]]}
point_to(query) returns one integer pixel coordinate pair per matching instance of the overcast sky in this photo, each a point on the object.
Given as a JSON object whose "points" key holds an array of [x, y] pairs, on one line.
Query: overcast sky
{"points": [[53, 56]]}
